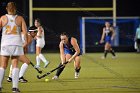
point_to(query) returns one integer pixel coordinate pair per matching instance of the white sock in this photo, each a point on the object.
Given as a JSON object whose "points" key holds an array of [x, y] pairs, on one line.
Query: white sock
{"points": [[10, 71], [2, 71], [15, 77], [23, 69], [43, 58], [37, 60]]}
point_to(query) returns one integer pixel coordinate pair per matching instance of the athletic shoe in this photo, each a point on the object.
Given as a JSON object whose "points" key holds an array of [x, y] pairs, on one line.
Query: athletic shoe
{"points": [[76, 74], [9, 79], [37, 66], [46, 64], [23, 80], [55, 77], [15, 90]]}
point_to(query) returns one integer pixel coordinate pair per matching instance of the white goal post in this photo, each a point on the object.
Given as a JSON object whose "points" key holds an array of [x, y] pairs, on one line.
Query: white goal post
{"points": [[111, 9]]}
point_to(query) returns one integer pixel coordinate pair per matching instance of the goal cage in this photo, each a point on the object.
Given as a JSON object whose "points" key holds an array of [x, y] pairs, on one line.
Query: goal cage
{"points": [[91, 31]]}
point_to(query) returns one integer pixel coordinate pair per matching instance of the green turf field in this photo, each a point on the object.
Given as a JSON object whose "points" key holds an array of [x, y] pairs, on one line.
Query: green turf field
{"points": [[121, 75]]}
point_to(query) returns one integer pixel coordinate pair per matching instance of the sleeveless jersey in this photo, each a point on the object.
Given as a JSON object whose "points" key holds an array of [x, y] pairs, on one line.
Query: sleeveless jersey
{"points": [[108, 32], [11, 33], [41, 40], [69, 49], [108, 35]]}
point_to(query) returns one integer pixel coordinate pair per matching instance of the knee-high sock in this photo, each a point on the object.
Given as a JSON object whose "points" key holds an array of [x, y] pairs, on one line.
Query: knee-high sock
{"points": [[15, 77], [10, 71], [43, 58], [77, 69], [2, 71], [23, 69], [112, 52], [37, 60], [105, 53], [59, 71]]}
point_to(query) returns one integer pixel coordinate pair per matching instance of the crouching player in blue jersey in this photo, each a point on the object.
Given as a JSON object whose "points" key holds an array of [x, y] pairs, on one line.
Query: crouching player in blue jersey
{"points": [[108, 35], [69, 50]]}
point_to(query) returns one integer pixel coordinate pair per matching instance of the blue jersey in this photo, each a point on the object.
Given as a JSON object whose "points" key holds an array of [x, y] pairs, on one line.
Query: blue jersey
{"points": [[68, 49], [108, 35]]}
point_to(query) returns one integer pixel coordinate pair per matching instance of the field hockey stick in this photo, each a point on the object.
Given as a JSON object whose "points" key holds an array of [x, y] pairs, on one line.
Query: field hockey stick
{"points": [[39, 71], [46, 74]]}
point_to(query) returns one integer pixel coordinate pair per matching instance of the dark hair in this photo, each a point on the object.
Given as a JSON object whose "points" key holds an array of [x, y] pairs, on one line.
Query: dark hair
{"points": [[12, 3], [64, 33], [11, 6], [38, 20], [32, 28]]}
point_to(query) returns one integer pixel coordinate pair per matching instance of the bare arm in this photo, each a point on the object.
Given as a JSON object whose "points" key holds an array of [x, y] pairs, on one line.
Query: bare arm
{"points": [[103, 35], [3, 21], [113, 33], [62, 55], [24, 31], [76, 48], [29, 39]]}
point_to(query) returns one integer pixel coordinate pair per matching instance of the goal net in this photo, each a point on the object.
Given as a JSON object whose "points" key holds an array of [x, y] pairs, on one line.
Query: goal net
{"points": [[91, 31]]}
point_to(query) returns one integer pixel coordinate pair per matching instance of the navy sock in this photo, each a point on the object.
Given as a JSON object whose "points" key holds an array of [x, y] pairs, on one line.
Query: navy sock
{"points": [[77, 69], [112, 52], [105, 53], [59, 71]]}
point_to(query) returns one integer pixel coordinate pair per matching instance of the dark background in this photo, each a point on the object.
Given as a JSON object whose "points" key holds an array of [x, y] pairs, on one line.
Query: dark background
{"points": [[57, 22]]}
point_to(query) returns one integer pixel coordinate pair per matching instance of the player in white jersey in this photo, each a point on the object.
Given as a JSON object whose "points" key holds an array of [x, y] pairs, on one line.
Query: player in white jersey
{"points": [[11, 43], [23, 58], [40, 43]]}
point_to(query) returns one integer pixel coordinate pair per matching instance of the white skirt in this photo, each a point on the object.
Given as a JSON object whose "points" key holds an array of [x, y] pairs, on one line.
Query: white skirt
{"points": [[12, 50]]}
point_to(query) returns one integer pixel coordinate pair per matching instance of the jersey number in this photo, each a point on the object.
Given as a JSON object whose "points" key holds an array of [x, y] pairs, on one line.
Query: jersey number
{"points": [[11, 31]]}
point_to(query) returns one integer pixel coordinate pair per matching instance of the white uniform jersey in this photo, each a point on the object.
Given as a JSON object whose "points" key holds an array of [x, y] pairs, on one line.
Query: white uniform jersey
{"points": [[40, 41], [11, 33], [11, 42]]}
